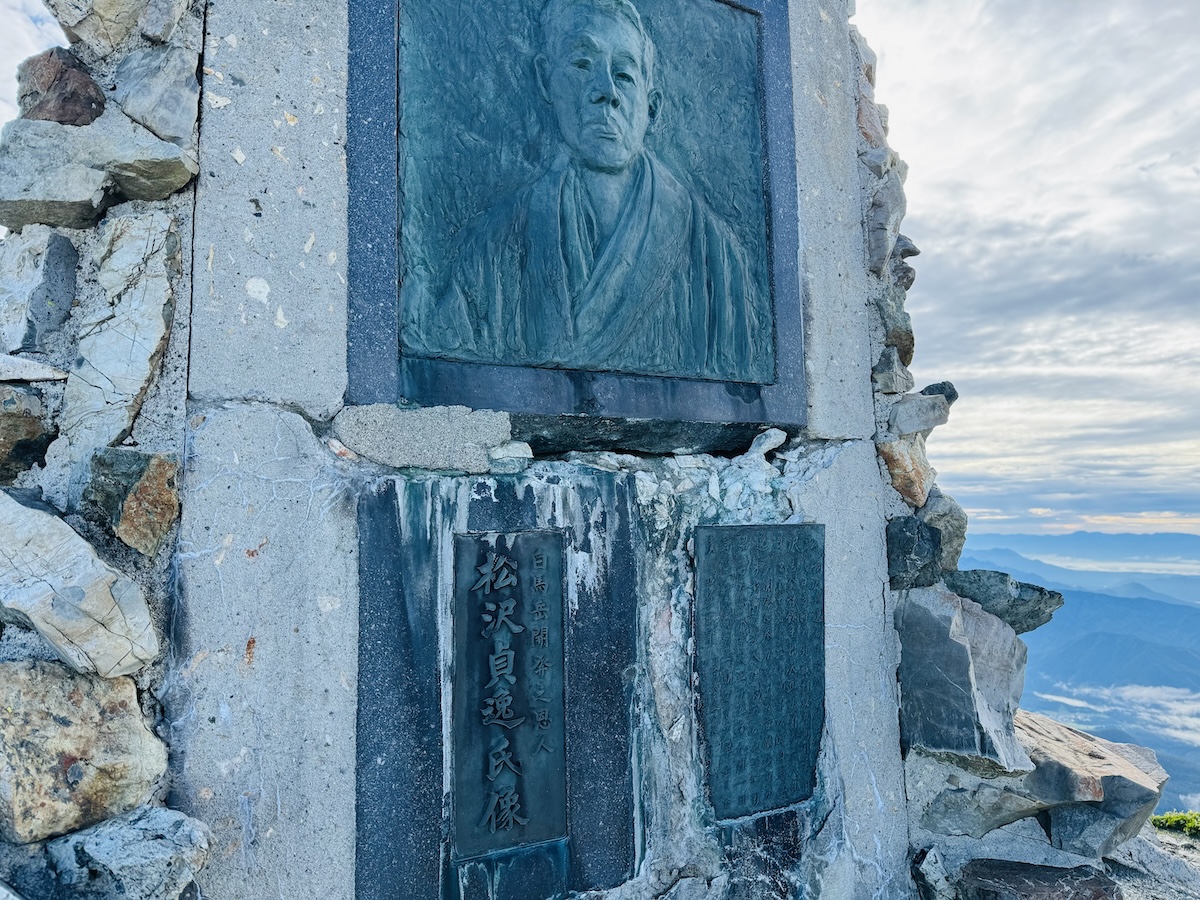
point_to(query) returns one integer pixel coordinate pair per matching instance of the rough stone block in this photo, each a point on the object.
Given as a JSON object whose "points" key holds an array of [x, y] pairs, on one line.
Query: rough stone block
{"points": [[101, 24], [149, 854], [919, 413], [897, 324], [883, 222], [37, 286], [440, 437], [133, 494], [25, 433], [945, 516], [1023, 606], [54, 86], [53, 581], [961, 675], [74, 750], [160, 18], [909, 468], [157, 88], [890, 375], [993, 879], [913, 551]]}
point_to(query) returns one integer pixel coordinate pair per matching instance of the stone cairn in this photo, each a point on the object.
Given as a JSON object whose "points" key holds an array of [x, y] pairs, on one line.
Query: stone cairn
{"points": [[92, 343], [1002, 803]]}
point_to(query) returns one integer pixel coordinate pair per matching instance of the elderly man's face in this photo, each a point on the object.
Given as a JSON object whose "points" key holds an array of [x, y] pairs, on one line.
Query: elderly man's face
{"points": [[594, 76]]}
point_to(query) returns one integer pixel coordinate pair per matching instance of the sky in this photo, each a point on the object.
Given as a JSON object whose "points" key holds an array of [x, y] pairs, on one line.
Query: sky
{"points": [[1054, 189]]}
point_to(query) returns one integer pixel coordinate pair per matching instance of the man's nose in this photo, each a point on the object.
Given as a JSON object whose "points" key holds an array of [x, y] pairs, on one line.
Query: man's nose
{"points": [[604, 89]]}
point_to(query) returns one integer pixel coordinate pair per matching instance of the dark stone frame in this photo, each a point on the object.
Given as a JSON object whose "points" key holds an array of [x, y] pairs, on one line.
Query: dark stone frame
{"points": [[379, 373]]}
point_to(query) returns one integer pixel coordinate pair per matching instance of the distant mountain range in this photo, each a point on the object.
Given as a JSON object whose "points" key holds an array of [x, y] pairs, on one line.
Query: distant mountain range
{"points": [[1121, 659]]}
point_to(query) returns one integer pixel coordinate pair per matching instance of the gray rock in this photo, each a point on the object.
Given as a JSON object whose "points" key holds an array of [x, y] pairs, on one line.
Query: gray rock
{"points": [[134, 495], [890, 375], [440, 437], [930, 876], [1159, 864], [908, 467], [120, 345], [511, 457], [37, 286], [157, 88], [878, 160], [17, 368], [56, 87], [913, 550], [961, 674], [918, 413], [25, 433], [994, 879], [74, 750], [53, 581], [943, 389], [149, 854], [887, 210], [944, 515], [897, 324], [100, 24], [902, 273], [66, 176], [1023, 606], [160, 17]]}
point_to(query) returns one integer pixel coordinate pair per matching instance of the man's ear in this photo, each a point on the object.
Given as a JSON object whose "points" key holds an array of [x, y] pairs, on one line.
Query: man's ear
{"points": [[541, 66], [655, 99]]}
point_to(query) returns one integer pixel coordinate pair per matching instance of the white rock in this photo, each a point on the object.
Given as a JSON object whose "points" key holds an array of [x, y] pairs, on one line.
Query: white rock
{"points": [[37, 285], [157, 88], [438, 437], [100, 24], [16, 368], [919, 413], [7, 893], [159, 18], [51, 580], [121, 345]]}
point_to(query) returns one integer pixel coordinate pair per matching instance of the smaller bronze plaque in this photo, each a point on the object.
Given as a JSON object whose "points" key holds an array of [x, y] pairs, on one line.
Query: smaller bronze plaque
{"points": [[509, 773], [760, 657]]}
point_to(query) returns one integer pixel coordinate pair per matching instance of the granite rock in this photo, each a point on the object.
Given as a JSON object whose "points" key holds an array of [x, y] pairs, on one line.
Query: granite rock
{"points": [[55, 86], [993, 879], [887, 210], [67, 176], [1023, 606], [160, 18], [135, 495], [890, 375], [100, 24], [897, 324], [25, 433], [945, 516], [908, 467], [440, 437], [120, 344], [37, 286], [157, 88], [149, 854], [961, 674], [918, 414], [53, 581], [74, 750], [913, 550]]}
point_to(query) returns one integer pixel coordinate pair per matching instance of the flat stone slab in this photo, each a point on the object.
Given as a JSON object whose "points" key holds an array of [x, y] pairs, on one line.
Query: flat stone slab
{"points": [[1023, 606], [441, 437], [993, 879]]}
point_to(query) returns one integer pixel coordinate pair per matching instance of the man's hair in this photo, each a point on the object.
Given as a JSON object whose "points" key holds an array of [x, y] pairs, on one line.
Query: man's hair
{"points": [[554, 10]]}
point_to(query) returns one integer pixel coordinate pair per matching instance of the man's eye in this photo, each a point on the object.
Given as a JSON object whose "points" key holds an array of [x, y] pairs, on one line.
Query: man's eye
{"points": [[625, 77], [584, 64]]}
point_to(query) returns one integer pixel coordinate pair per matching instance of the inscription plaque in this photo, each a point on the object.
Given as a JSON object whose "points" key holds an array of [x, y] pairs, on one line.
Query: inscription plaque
{"points": [[509, 772], [760, 658]]}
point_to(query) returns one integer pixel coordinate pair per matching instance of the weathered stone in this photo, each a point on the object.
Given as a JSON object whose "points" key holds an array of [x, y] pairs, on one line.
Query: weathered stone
{"points": [[944, 389], [994, 879], [1023, 606], [101, 24], [52, 581], [888, 206], [66, 176], [930, 876], [902, 273], [1099, 793], [55, 86], [890, 375], [961, 674], [24, 431], [1161, 864], [897, 324], [17, 368], [157, 88], [913, 550], [159, 18], [909, 468], [511, 457], [74, 751], [7, 893], [440, 437], [120, 345], [149, 854], [37, 286], [134, 494], [879, 160], [919, 413], [944, 515]]}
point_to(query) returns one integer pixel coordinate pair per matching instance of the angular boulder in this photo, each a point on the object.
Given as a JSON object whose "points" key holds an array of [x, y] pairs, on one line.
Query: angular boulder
{"points": [[913, 549], [908, 467], [55, 87], [25, 432], [890, 375], [134, 495], [74, 750], [160, 18], [1023, 606], [53, 581], [149, 854], [918, 413], [949, 520], [100, 24], [18, 368], [887, 210], [37, 286], [67, 176], [897, 324], [157, 88], [996, 879], [961, 674]]}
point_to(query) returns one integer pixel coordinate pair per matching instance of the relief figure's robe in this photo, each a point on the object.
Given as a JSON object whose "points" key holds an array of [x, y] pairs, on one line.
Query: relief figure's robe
{"points": [[670, 292]]}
